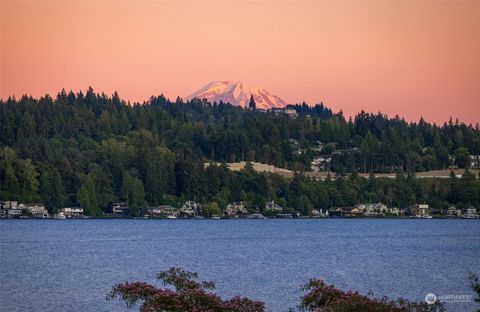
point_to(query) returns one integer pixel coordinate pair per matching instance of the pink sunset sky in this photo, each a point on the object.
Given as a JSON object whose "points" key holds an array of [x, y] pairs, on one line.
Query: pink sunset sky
{"points": [[405, 58]]}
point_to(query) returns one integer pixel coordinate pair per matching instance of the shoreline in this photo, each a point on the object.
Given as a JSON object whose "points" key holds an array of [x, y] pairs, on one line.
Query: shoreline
{"points": [[245, 218]]}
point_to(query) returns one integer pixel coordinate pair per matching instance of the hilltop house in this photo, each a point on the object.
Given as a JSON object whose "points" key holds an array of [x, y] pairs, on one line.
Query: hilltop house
{"points": [[276, 110], [292, 112], [233, 209], [318, 148], [321, 163], [475, 161]]}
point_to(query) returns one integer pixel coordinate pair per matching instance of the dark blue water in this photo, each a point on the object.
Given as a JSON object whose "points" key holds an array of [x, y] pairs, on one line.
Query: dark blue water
{"points": [[70, 265]]}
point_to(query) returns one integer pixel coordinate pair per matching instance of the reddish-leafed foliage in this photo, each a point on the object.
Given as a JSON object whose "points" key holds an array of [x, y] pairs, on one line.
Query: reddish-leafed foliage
{"points": [[327, 298], [186, 295]]}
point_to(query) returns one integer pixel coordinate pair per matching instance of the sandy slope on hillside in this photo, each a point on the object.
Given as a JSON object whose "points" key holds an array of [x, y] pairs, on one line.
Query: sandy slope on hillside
{"points": [[322, 175]]}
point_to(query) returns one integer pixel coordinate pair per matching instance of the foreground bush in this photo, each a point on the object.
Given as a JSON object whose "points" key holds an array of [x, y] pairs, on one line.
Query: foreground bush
{"points": [[323, 297], [185, 293]]}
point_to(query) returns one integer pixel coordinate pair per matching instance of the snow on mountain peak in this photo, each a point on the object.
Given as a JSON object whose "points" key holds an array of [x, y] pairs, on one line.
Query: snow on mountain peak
{"points": [[237, 93]]}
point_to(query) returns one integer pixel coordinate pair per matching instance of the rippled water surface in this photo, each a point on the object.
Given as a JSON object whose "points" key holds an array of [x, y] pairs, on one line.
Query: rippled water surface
{"points": [[70, 265]]}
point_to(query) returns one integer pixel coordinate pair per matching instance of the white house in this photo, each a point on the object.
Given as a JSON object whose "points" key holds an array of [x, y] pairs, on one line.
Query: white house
{"points": [[163, 211], [291, 112], [475, 161], [13, 213], [191, 208], [11, 209], [453, 212], [320, 213], [9, 204], [271, 206], [72, 212], [118, 208], [37, 210], [394, 211], [471, 213], [372, 210], [233, 209]]}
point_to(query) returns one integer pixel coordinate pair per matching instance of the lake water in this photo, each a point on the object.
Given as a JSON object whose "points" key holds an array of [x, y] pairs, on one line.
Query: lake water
{"points": [[70, 265]]}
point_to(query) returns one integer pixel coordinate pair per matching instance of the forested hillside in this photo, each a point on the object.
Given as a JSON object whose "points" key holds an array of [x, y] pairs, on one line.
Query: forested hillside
{"points": [[90, 149]]}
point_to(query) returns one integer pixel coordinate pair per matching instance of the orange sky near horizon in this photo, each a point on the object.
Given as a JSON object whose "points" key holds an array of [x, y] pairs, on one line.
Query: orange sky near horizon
{"points": [[407, 58]]}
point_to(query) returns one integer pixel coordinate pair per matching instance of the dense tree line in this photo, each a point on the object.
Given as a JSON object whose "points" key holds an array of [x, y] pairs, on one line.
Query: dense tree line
{"points": [[91, 149]]}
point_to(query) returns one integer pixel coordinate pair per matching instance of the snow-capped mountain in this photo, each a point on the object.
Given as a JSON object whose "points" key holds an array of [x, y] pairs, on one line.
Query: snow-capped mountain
{"points": [[237, 93]]}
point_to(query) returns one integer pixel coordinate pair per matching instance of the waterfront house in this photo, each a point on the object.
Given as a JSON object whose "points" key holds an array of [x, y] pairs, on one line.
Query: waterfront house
{"points": [[191, 209], [168, 211], [352, 212], [118, 208], [335, 212], [10, 209], [37, 210], [470, 213], [320, 213], [420, 210], [72, 212], [284, 216], [271, 206], [453, 212], [14, 213], [9, 204], [394, 211], [234, 209], [154, 212], [373, 210], [162, 211]]}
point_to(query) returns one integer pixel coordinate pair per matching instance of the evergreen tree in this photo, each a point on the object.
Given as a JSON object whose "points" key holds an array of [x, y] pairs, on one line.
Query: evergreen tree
{"points": [[251, 104], [86, 197], [51, 188], [134, 193], [462, 157]]}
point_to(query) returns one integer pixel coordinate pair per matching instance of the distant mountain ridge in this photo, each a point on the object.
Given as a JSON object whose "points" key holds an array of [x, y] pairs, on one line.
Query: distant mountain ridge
{"points": [[237, 93]]}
